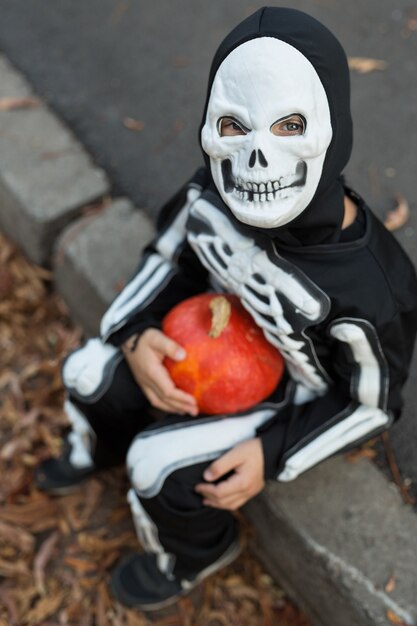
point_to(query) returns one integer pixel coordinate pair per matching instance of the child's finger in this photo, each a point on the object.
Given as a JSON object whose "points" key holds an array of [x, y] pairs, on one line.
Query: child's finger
{"points": [[230, 494], [168, 347], [230, 504], [225, 489], [158, 403], [170, 403], [170, 393], [222, 465]]}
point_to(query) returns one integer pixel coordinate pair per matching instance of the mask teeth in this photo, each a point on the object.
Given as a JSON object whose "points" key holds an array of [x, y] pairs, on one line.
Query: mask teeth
{"points": [[257, 188], [259, 192]]}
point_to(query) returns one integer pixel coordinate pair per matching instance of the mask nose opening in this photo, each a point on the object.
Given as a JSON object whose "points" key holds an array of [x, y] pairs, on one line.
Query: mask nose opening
{"points": [[261, 158]]}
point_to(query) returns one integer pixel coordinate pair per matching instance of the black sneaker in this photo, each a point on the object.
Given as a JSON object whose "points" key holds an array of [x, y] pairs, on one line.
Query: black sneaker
{"points": [[138, 582], [58, 476]]}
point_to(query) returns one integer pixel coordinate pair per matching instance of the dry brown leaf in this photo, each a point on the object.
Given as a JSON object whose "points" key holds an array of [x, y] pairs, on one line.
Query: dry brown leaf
{"points": [[233, 581], [103, 604], [9, 104], [394, 619], [45, 607], [398, 216], [185, 608], [363, 453], [18, 537], [79, 507], [47, 523], [15, 447], [133, 124], [92, 544], [18, 480], [411, 24], [72, 613], [120, 9], [37, 368], [86, 620], [118, 514], [29, 460], [9, 603], [42, 559], [52, 442], [217, 616], [6, 283], [24, 596], [10, 570], [91, 582], [180, 61], [390, 585], [135, 619], [243, 591], [92, 494], [80, 565], [31, 515], [109, 560], [265, 603], [364, 65]]}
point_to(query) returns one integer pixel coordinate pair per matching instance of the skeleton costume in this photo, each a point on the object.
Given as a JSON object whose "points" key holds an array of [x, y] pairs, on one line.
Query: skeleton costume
{"points": [[262, 220]]}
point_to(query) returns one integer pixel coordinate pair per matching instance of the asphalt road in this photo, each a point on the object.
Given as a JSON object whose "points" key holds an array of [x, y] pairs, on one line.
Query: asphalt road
{"points": [[98, 62]]}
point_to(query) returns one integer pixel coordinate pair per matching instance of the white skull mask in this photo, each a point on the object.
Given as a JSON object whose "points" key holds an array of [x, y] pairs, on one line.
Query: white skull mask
{"points": [[267, 180]]}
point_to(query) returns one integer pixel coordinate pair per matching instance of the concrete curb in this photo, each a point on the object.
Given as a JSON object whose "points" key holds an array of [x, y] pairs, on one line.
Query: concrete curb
{"points": [[46, 176], [86, 274], [334, 536]]}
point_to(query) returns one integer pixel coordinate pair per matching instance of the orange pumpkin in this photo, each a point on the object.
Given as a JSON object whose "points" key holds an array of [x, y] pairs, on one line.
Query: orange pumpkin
{"points": [[229, 366]]}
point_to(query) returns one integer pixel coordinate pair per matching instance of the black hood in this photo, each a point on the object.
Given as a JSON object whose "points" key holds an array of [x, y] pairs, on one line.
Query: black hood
{"points": [[321, 220]]}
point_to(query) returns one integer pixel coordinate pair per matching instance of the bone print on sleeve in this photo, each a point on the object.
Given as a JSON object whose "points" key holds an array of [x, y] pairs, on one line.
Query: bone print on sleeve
{"points": [[364, 400], [168, 272], [364, 411]]}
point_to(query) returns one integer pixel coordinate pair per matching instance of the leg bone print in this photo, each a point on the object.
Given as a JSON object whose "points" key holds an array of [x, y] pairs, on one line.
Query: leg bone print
{"points": [[280, 298]]}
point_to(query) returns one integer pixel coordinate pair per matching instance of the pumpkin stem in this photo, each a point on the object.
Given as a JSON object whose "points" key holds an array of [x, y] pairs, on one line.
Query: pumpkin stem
{"points": [[220, 314]]}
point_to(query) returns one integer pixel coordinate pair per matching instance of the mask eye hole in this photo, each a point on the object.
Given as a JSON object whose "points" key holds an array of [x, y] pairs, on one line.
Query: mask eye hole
{"points": [[230, 127], [294, 124]]}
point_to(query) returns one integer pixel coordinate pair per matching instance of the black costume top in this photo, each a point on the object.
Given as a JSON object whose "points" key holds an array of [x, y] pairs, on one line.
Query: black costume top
{"points": [[340, 305]]}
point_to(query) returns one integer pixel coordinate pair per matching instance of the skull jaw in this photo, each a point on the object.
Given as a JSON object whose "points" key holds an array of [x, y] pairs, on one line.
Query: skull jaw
{"points": [[262, 205], [268, 214]]}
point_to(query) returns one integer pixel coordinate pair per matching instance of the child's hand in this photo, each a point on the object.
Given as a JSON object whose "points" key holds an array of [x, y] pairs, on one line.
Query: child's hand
{"points": [[247, 461], [146, 365]]}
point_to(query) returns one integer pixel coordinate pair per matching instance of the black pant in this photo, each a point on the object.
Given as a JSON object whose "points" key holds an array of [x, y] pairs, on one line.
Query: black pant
{"points": [[192, 535]]}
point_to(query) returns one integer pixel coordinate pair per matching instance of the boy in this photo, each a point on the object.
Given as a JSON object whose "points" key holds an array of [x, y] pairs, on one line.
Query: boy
{"points": [[270, 220]]}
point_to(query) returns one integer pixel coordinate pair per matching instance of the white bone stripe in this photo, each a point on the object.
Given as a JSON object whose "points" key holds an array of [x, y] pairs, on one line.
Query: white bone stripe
{"points": [[151, 287], [155, 270], [81, 437], [88, 371], [154, 456], [360, 423], [171, 240], [147, 533], [123, 304], [372, 380], [245, 254]]}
